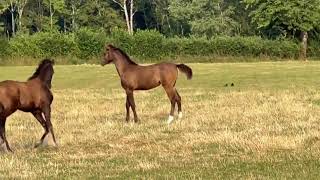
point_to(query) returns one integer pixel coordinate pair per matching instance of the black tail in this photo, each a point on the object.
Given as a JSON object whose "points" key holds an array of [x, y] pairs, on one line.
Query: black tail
{"points": [[186, 70]]}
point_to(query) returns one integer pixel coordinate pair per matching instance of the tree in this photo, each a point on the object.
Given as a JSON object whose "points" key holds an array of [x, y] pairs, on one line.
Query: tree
{"points": [[204, 17], [162, 16], [10, 5], [98, 14], [72, 10], [128, 8], [53, 6], [299, 16], [20, 8]]}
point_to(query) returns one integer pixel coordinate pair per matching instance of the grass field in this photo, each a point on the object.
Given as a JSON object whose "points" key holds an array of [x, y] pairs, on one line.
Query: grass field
{"points": [[266, 126]]}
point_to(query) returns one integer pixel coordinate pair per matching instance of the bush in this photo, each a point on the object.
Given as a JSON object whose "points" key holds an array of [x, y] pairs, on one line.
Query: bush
{"points": [[55, 44], [43, 45], [24, 45], [4, 47], [90, 42], [143, 44], [146, 45], [314, 49]]}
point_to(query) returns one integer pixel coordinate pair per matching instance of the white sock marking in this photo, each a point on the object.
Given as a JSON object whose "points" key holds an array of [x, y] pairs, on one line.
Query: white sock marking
{"points": [[180, 115], [170, 119]]}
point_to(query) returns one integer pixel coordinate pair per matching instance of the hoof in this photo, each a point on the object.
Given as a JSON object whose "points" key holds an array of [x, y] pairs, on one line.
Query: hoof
{"points": [[180, 115], [4, 149], [170, 119], [47, 141]]}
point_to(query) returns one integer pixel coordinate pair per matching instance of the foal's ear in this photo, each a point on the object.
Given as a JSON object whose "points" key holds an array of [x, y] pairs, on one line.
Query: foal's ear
{"points": [[109, 46]]}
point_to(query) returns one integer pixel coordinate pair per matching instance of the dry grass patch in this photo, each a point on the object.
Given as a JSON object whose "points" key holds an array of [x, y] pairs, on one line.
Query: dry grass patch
{"points": [[225, 133]]}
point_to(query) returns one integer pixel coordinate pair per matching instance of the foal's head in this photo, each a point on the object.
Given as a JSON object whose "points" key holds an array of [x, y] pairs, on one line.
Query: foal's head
{"points": [[113, 53], [108, 56], [44, 72]]}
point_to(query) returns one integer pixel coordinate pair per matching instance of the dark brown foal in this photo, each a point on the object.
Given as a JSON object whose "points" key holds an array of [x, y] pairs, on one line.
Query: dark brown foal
{"points": [[136, 77], [32, 96]]}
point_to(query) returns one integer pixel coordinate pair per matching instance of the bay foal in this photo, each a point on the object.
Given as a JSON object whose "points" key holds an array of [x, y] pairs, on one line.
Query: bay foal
{"points": [[32, 96], [136, 77]]}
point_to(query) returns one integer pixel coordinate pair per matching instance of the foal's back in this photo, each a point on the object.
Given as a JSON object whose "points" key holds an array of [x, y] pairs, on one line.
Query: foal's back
{"points": [[24, 96], [150, 76]]}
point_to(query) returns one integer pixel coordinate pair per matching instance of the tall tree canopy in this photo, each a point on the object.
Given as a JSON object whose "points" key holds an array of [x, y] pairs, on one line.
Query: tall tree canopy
{"points": [[207, 18], [204, 17], [295, 16]]}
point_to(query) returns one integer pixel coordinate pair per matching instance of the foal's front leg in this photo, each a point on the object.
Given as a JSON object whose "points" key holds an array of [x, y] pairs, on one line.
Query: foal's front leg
{"points": [[3, 135], [132, 104]]}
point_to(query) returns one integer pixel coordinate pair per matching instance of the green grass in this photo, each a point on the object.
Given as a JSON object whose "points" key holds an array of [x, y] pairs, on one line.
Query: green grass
{"points": [[266, 126]]}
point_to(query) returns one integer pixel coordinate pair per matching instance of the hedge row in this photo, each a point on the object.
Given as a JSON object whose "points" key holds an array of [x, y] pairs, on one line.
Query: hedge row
{"points": [[151, 45]]}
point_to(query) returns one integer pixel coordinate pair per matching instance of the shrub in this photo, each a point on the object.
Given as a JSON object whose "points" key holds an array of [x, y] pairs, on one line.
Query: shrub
{"points": [[90, 42], [24, 45], [146, 45], [4, 47], [55, 44]]}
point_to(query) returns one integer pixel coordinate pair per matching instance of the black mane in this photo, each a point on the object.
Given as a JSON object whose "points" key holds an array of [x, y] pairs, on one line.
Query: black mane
{"points": [[42, 64], [44, 72], [126, 56]]}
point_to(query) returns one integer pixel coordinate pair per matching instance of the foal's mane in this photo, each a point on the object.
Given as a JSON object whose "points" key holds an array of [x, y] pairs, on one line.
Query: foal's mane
{"points": [[125, 55], [44, 71], [41, 66]]}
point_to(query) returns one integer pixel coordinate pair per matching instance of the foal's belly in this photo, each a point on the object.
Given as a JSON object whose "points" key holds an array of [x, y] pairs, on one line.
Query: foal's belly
{"points": [[147, 82], [148, 86]]}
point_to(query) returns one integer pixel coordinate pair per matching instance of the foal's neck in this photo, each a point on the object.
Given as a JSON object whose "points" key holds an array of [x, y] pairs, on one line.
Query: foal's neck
{"points": [[121, 63]]}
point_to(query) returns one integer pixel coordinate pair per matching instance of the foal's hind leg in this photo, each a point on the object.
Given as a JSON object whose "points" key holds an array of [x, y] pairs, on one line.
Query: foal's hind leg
{"points": [[47, 115], [178, 100], [39, 117], [127, 109], [171, 94], [3, 134]]}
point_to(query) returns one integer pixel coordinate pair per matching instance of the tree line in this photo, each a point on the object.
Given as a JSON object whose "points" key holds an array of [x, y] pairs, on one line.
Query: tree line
{"points": [[271, 19]]}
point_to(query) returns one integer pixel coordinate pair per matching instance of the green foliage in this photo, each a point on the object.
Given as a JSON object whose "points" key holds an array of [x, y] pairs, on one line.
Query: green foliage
{"points": [[146, 45], [43, 45], [151, 44], [24, 45], [90, 42], [296, 15], [55, 44], [314, 49], [143, 44], [205, 17], [122, 39], [4, 46]]}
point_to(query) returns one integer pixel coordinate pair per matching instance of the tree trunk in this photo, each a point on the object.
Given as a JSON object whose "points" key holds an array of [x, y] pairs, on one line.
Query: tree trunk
{"points": [[131, 17], [21, 6], [51, 15], [73, 18], [126, 15], [20, 17], [304, 45], [13, 23]]}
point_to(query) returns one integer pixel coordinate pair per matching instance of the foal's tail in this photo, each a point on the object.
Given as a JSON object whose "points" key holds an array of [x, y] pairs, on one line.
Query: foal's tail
{"points": [[185, 69]]}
